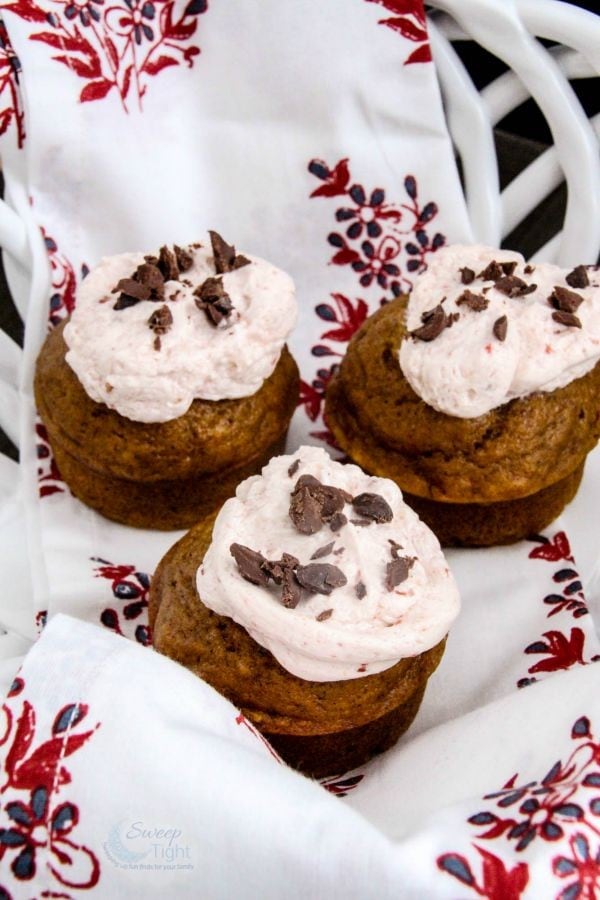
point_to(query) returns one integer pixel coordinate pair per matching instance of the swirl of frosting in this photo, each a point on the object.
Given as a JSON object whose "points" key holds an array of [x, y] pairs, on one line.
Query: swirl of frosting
{"points": [[116, 358], [352, 632], [475, 366]]}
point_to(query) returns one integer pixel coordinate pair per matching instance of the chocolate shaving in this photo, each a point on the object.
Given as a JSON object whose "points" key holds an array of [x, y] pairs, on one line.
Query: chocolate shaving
{"points": [[338, 521], [467, 276], [326, 614], [394, 547], [578, 278], [373, 506], [150, 275], [567, 318], [434, 322], [312, 504], [226, 259], [161, 320], [492, 272], [132, 288], [282, 573], [360, 590], [294, 468], [361, 522], [184, 258], [320, 578], [451, 318], [323, 551], [167, 263], [157, 343], [500, 328], [508, 267], [529, 269], [123, 301], [250, 564], [213, 299], [397, 571], [565, 300], [513, 286], [476, 302]]}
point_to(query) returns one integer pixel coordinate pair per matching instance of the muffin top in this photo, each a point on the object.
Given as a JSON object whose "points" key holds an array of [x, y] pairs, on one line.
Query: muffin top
{"points": [[485, 328], [152, 333], [328, 569]]}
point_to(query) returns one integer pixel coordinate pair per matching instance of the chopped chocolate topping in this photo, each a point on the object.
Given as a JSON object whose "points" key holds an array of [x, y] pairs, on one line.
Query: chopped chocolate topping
{"points": [[226, 259], [492, 272], [565, 300], [451, 318], [184, 258], [397, 571], [294, 468], [578, 278], [394, 547], [161, 320], [123, 301], [132, 288], [467, 276], [250, 563], [313, 504], [361, 522], [290, 591], [566, 318], [323, 551], [212, 299], [338, 520], [513, 286], [373, 506], [508, 267], [476, 302], [360, 590], [320, 578], [434, 322], [326, 614], [157, 343], [529, 269], [167, 263], [500, 328], [339, 551], [150, 275], [282, 572]]}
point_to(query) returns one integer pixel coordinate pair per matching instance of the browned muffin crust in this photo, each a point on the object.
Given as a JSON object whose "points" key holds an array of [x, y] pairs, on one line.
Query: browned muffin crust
{"points": [[509, 453], [321, 728], [161, 475]]}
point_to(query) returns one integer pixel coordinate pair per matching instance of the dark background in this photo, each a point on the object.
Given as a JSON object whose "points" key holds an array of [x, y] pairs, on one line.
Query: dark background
{"points": [[520, 137]]}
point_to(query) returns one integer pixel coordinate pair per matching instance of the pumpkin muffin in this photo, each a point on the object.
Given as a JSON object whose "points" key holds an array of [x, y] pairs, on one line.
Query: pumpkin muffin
{"points": [[479, 396], [170, 383], [318, 604]]}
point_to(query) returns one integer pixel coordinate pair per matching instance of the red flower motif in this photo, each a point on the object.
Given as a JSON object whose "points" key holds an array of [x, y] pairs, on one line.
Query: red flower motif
{"points": [[498, 882], [131, 589], [121, 45], [563, 652], [335, 180], [409, 22], [347, 315], [313, 395], [33, 823], [340, 786], [49, 478], [583, 866], [10, 68], [552, 549]]}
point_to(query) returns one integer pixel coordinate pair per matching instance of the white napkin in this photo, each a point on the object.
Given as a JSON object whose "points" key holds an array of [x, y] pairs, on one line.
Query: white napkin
{"points": [[306, 133]]}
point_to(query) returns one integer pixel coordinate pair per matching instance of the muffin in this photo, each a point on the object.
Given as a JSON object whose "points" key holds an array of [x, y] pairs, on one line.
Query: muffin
{"points": [[319, 606], [479, 396], [170, 383]]}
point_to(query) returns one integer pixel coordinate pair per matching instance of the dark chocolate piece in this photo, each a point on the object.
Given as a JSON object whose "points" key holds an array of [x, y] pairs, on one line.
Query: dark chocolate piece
{"points": [[563, 299], [578, 278], [338, 520], [467, 276], [313, 504], [226, 259], [360, 590], [161, 320], [184, 258], [250, 564], [326, 614], [566, 318], [373, 506], [320, 578], [492, 272], [323, 551], [150, 275], [500, 328], [167, 263], [476, 302], [294, 468], [512, 286], [434, 322], [397, 571], [213, 299]]}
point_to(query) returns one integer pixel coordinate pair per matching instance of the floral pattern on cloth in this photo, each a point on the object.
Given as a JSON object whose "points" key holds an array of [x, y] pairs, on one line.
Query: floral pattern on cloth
{"points": [[128, 616], [114, 45], [11, 106], [385, 244], [38, 828], [408, 20], [562, 807], [560, 648]]}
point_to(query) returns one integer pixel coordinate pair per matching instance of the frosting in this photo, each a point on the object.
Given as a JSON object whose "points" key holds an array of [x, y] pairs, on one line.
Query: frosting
{"points": [[482, 361], [153, 372], [361, 627]]}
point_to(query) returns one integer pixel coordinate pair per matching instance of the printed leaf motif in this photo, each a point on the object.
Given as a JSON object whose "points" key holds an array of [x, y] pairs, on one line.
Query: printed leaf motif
{"points": [[95, 90], [420, 55], [563, 652], [335, 180]]}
